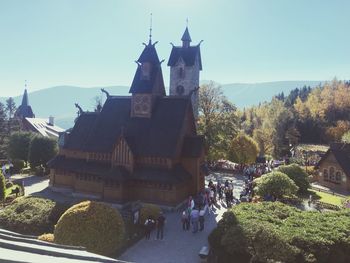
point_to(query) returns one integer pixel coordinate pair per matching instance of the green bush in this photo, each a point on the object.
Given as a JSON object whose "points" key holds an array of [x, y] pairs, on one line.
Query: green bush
{"points": [[18, 165], [2, 187], [274, 232], [31, 215], [41, 150], [298, 175], [96, 226], [18, 145], [275, 183], [149, 210]]}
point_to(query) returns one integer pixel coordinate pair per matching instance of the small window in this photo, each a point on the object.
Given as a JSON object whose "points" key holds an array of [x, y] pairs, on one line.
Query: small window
{"points": [[181, 72]]}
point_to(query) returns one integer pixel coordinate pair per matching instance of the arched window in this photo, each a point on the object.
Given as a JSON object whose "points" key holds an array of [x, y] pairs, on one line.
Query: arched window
{"points": [[338, 176], [325, 174], [181, 72], [332, 174]]}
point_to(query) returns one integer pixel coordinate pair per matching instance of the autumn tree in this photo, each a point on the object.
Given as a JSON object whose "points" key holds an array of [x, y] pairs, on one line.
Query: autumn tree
{"points": [[217, 120], [243, 150]]}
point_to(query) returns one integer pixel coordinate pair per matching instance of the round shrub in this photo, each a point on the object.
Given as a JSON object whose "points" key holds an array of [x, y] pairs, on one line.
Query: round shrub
{"points": [[96, 226], [297, 174], [275, 183], [48, 237], [149, 210], [30, 215]]}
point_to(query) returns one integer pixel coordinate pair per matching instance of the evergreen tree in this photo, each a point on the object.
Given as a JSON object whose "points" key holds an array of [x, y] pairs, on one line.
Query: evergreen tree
{"points": [[3, 129]]}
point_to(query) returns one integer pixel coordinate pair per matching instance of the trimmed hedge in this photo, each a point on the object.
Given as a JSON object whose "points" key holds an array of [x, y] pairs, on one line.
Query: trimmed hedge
{"points": [[31, 215], [149, 210], [275, 183], [274, 232], [96, 226]]}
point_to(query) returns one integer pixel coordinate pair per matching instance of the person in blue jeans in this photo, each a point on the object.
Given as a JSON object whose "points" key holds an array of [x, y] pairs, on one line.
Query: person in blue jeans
{"points": [[195, 220]]}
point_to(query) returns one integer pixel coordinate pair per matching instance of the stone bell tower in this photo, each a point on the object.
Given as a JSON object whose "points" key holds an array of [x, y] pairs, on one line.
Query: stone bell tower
{"points": [[185, 64]]}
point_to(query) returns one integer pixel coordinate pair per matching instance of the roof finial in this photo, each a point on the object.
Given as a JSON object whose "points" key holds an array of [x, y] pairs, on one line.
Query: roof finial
{"points": [[25, 84], [187, 22], [150, 31]]}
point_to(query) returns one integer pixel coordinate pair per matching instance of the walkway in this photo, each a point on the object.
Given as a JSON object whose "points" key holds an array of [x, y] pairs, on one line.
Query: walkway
{"points": [[178, 245], [32, 183]]}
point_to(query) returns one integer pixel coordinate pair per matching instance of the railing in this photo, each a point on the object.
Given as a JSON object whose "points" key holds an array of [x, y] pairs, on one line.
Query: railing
{"points": [[327, 191]]}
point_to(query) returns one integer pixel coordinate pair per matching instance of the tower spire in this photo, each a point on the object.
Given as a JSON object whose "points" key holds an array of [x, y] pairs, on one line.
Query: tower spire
{"points": [[150, 31], [25, 101], [186, 38]]}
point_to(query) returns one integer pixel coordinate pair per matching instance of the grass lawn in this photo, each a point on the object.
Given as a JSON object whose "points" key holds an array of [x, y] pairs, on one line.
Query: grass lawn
{"points": [[328, 198], [9, 190]]}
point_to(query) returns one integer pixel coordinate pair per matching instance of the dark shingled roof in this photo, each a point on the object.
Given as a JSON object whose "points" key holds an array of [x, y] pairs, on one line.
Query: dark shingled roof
{"points": [[140, 85], [186, 36], [188, 54], [155, 136], [341, 153], [25, 110], [92, 168], [193, 146], [149, 54], [79, 134], [163, 175]]}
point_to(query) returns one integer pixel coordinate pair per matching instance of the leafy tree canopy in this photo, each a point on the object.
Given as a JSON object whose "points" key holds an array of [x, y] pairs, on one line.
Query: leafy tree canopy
{"points": [[275, 183], [243, 149]]}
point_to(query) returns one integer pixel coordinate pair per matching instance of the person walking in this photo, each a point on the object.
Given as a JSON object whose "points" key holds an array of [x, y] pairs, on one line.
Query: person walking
{"points": [[185, 221], [201, 219], [194, 220], [160, 225], [149, 225]]}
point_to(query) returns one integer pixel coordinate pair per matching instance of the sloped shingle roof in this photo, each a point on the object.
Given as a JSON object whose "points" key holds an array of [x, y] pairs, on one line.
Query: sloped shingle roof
{"points": [[188, 54], [155, 136]]}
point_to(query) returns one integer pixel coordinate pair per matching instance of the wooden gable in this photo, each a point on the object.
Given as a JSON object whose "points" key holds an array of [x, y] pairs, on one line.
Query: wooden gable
{"points": [[122, 155]]}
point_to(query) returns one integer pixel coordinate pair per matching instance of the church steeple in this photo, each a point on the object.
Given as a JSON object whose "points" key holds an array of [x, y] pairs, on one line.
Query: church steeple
{"points": [[148, 82], [25, 101], [186, 38], [24, 110]]}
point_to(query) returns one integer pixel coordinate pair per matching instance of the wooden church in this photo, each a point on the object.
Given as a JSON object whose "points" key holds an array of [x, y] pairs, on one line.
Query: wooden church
{"points": [[140, 147]]}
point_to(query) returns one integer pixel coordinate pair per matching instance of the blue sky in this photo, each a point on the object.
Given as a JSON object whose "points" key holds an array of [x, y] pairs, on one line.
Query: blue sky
{"points": [[95, 42]]}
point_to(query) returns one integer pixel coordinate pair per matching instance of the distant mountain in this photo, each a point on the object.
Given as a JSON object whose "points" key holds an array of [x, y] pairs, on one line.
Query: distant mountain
{"points": [[245, 95], [59, 101]]}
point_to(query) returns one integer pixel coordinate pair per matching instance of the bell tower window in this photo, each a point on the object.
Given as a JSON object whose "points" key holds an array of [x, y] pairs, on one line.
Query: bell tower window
{"points": [[181, 72]]}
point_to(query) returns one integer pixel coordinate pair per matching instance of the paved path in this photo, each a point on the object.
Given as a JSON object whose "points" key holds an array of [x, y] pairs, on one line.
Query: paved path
{"points": [[178, 245], [32, 183]]}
